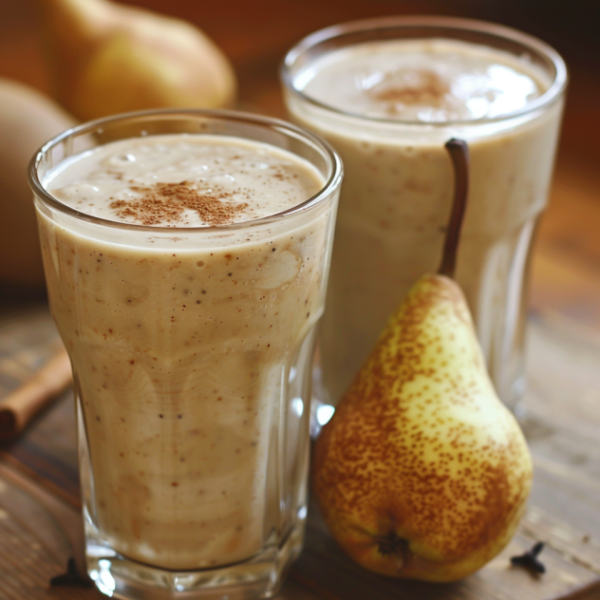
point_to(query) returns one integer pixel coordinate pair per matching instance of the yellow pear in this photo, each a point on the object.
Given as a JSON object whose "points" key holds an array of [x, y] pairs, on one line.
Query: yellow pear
{"points": [[106, 59], [422, 472], [28, 118]]}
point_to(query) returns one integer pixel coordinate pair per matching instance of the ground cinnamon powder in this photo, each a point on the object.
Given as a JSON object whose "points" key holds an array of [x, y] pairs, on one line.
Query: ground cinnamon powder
{"points": [[425, 87], [164, 203]]}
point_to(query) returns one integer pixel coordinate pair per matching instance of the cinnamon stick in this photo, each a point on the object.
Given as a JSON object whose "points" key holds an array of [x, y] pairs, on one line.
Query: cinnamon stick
{"points": [[20, 406]]}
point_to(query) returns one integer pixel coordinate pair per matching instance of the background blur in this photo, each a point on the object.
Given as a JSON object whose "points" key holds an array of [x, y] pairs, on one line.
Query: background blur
{"points": [[255, 35]]}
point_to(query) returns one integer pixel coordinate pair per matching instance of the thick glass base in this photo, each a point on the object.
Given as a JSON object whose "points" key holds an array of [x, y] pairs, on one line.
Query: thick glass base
{"points": [[261, 576]]}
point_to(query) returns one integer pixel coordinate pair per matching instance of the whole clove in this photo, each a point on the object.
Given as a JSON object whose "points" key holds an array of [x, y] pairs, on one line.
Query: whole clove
{"points": [[71, 577], [529, 560]]}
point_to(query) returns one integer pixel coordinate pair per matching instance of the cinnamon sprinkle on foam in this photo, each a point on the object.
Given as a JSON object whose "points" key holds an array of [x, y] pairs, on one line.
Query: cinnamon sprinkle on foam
{"points": [[164, 204]]}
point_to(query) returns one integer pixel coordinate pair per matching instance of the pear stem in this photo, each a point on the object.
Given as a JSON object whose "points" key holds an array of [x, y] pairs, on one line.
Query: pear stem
{"points": [[459, 154]]}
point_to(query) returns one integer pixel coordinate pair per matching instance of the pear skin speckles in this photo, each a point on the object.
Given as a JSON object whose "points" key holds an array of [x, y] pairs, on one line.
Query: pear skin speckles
{"points": [[421, 446]]}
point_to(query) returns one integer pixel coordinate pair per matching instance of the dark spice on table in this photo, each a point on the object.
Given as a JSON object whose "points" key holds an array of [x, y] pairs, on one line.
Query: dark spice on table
{"points": [[72, 577], [530, 560]]}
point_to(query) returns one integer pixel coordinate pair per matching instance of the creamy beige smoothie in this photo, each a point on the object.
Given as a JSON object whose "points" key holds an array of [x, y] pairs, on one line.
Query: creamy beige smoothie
{"points": [[185, 346], [388, 107]]}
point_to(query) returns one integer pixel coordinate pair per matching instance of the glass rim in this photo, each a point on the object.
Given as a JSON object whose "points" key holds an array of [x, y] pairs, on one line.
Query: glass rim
{"points": [[288, 129], [554, 91]]}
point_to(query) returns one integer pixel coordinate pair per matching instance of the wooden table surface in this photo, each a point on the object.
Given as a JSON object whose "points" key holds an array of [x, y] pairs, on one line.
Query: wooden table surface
{"points": [[39, 495]]}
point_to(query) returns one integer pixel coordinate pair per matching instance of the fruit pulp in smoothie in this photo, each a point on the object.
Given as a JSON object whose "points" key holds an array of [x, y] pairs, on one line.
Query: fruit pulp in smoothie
{"points": [[388, 108], [184, 347]]}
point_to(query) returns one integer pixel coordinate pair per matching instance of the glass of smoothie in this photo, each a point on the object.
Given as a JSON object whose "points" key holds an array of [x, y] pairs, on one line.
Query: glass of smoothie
{"points": [[186, 256], [388, 93]]}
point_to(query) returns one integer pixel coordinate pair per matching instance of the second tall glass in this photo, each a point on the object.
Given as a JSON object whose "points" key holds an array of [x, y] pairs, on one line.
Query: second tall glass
{"points": [[397, 192]]}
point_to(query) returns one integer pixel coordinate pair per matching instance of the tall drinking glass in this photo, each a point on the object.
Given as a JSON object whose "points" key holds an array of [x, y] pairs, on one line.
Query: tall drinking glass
{"points": [[191, 350], [388, 93]]}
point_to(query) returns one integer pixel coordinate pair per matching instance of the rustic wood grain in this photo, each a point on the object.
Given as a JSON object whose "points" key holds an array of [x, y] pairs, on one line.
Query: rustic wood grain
{"points": [[34, 546]]}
